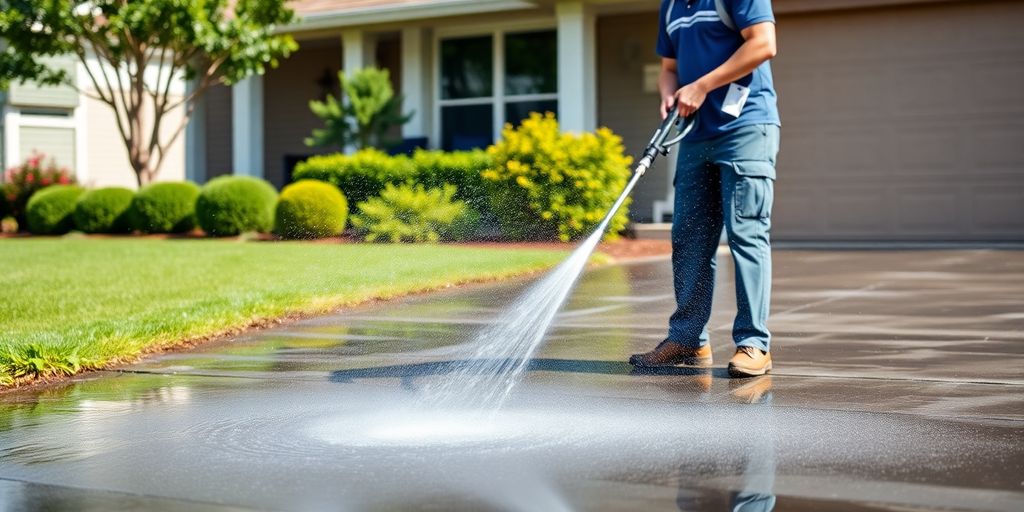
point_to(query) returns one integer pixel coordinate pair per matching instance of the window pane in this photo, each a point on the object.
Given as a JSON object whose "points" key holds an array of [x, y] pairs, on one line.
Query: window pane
{"points": [[531, 63], [467, 68], [516, 111], [467, 127]]}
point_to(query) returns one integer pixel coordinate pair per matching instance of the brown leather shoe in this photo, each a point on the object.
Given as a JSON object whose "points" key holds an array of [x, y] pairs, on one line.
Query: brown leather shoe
{"points": [[750, 362], [670, 353]]}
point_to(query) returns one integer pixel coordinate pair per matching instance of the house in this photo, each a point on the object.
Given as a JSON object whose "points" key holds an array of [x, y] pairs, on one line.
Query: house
{"points": [[902, 119], [76, 130]]}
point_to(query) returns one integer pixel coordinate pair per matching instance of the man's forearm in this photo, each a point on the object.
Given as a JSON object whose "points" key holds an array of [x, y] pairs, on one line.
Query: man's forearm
{"points": [[748, 57], [668, 82]]}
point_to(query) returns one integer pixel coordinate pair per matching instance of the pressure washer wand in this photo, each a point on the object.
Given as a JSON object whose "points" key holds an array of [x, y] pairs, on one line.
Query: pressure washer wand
{"points": [[660, 143]]}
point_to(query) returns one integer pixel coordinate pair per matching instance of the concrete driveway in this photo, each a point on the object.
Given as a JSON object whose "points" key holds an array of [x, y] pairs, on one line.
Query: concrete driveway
{"points": [[898, 385]]}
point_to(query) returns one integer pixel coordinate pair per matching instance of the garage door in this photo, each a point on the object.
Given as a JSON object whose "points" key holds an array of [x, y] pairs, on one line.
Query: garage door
{"points": [[902, 123]]}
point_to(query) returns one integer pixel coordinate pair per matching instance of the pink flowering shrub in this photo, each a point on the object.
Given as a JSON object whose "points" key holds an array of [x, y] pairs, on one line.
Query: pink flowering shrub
{"points": [[22, 181]]}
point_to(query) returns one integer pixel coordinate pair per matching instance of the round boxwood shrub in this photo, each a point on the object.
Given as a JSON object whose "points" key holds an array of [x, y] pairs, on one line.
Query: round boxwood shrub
{"points": [[103, 210], [231, 205], [310, 209], [49, 210], [165, 207]]}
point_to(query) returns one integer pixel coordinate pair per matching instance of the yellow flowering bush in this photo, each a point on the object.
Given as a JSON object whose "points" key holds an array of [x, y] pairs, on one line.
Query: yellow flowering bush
{"points": [[546, 184]]}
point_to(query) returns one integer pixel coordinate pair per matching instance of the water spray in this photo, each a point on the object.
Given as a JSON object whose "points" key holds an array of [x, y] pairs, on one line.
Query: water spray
{"points": [[503, 350]]}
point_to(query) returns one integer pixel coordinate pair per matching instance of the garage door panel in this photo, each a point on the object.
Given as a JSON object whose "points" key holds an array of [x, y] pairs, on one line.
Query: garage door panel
{"points": [[924, 153], [864, 211], [902, 123], [931, 212], [996, 85], [797, 211], [924, 87], [991, 147], [851, 91], [998, 211], [801, 142], [860, 154]]}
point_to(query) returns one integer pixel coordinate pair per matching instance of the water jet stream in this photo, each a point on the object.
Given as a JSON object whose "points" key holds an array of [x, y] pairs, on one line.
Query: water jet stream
{"points": [[503, 350]]}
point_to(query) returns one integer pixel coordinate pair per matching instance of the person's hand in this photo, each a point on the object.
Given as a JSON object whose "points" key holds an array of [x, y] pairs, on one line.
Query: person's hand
{"points": [[667, 102], [689, 98]]}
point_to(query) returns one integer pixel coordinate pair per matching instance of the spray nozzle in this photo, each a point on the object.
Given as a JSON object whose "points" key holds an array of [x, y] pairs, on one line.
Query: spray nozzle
{"points": [[661, 143]]}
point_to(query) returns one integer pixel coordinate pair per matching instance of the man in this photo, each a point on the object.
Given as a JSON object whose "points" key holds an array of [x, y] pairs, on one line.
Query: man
{"points": [[715, 66]]}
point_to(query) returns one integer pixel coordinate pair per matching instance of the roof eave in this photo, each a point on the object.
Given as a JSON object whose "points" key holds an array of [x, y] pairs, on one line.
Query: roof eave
{"points": [[398, 13]]}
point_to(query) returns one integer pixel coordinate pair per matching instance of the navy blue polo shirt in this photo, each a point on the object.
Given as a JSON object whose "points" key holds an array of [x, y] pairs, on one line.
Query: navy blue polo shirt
{"points": [[695, 35]]}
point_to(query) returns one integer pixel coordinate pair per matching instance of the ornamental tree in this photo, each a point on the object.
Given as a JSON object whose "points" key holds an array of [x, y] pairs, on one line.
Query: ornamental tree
{"points": [[364, 113], [205, 41]]}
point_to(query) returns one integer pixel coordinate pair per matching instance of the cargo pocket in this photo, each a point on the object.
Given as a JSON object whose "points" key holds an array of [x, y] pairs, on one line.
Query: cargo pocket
{"points": [[754, 193]]}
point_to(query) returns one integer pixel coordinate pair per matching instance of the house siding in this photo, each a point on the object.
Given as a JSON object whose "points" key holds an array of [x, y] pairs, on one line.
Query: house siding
{"points": [[287, 92], [625, 44]]}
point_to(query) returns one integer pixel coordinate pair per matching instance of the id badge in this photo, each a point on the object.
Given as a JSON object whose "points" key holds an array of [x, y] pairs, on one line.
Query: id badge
{"points": [[735, 98]]}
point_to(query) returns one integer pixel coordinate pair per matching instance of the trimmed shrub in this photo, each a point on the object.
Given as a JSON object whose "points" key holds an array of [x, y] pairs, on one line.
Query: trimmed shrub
{"points": [[49, 211], [409, 213], [103, 210], [22, 181], [435, 169], [310, 209], [359, 176], [165, 208], [364, 174], [465, 227], [545, 184], [231, 205]]}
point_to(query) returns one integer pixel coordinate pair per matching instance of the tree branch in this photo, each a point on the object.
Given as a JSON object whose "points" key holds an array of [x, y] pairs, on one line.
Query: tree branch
{"points": [[112, 101], [177, 133]]}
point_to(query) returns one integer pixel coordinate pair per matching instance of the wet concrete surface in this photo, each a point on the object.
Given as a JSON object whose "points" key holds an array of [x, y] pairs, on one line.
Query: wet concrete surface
{"points": [[898, 386]]}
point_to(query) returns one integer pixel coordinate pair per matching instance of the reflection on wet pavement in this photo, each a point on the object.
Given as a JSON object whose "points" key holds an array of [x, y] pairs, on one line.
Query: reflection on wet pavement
{"points": [[898, 386]]}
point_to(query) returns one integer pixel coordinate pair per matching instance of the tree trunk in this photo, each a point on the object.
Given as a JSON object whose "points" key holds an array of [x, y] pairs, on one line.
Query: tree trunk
{"points": [[140, 161]]}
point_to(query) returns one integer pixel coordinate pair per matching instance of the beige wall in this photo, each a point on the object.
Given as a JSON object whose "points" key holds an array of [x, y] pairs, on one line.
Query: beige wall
{"points": [[107, 157], [625, 44]]}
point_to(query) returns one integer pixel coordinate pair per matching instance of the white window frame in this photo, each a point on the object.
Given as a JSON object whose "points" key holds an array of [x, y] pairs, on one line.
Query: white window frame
{"points": [[498, 97]]}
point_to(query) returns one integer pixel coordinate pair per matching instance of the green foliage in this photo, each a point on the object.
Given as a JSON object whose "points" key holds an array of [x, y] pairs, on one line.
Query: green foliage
{"points": [[36, 360], [435, 169], [310, 209], [49, 211], [465, 227], [22, 181], [368, 110], [364, 174], [545, 184], [409, 213], [103, 210], [359, 176], [168, 207], [207, 41], [231, 205]]}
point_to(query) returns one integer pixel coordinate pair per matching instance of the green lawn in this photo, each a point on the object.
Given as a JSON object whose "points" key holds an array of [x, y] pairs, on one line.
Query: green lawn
{"points": [[70, 304]]}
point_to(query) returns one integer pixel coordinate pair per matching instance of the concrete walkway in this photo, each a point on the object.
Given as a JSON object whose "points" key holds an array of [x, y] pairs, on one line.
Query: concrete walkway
{"points": [[899, 385]]}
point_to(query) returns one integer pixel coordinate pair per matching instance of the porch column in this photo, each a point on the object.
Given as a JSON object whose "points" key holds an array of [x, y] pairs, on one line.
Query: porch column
{"points": [[358, 50], [247, 126], [12, 136], [577, 67], [415, 80], [195, 139]]}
